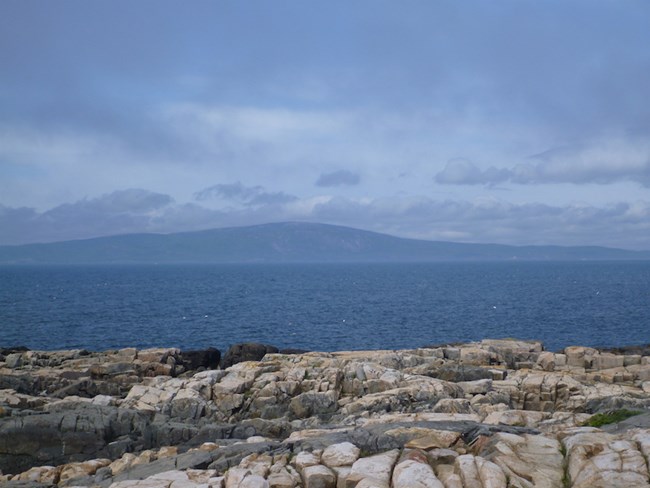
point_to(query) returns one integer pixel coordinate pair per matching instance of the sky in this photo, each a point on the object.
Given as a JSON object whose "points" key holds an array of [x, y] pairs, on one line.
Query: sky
{"points": [[512, 121]]}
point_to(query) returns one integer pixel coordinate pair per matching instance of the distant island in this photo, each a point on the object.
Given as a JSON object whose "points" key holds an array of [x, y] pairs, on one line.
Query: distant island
{"points": [[289, 242]]}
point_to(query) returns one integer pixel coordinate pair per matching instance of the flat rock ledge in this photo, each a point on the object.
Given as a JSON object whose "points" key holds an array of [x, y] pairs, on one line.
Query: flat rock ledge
{"points": [[496, 413]]}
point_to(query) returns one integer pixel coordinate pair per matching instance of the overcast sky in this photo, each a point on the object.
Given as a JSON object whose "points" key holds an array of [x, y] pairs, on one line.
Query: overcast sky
{"points": [[519, 122]]}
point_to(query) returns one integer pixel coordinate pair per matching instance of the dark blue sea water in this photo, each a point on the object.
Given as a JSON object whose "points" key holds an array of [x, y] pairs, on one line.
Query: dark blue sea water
{"points": [[324, 307]]}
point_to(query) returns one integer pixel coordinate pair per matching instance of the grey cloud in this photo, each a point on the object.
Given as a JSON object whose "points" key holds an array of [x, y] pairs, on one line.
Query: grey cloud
{"points": [[601, 163], [248, 195], [497, 221], [338, 178], [120, 212], [625, 225], [460, 171]]}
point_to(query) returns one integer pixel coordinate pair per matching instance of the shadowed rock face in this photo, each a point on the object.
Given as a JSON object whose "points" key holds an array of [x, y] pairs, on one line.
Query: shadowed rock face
{"points": [[248, 351], [470, 415]]}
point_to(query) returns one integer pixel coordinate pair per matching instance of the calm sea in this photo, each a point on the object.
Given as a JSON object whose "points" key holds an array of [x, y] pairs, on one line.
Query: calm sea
{"points": [[324, 307]]}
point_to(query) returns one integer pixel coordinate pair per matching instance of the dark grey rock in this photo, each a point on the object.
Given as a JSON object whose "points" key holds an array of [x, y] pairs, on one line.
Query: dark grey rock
{"points": [[374, 438], [85, 430], [201, 359], [229, 456], [26, 484], [460, 372], [310, 404], [247, 351], [276, 429], [605, 404]]}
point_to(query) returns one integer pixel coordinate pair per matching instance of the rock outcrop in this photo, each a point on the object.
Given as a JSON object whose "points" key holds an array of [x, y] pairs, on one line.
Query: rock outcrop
{"points": [[490, 414]]}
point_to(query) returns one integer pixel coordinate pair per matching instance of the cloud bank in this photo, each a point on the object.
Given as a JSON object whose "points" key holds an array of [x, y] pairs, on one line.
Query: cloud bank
{"points": [[481, 220], [247, 195], [338, 178], [602, 163]]}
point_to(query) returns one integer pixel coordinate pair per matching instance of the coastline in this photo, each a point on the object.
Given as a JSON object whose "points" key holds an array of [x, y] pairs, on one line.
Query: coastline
{"points": [[448, 414]]}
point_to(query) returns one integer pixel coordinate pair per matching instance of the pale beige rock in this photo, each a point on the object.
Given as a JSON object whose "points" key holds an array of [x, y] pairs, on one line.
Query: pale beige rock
{"points": [[476, 387], [174, 475], [319, 476], [305, 459], [167, 451], [145, 457], [254, 481], [235, 476], [122, 464], [477, 472], [430, 438], [597, 459], [42, 474], [342, 454], [86, 468], [523, 418], [146, 483], [546, 361], [474, 356], [414, 474], [607, 361], [528, 461], [282, 478], [448, 477], [378, 467], [258, 464], [642, 438], [201, 475], [453, 405], [342, 473]]}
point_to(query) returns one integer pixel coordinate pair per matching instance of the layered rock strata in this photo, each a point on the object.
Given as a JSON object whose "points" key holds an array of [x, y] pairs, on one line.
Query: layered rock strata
{"points": [[498, 413]]}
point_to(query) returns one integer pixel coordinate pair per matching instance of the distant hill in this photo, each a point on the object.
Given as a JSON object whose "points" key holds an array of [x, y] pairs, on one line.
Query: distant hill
{"points": [[289, 242]]}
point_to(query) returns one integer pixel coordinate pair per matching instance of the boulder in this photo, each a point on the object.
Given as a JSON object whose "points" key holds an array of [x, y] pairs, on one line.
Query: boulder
{"points": [[376, 469], [341, 454], [319, 476], [201, 359], [247, 351], [413, 473]]}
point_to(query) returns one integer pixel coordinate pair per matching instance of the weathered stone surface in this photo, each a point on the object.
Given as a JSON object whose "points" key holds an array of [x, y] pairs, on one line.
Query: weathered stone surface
{"points": [[319, 476], [342, 454], [377, 468], [467, 415], [415, 472], [477, 472], [527, 460], [599, 459]]}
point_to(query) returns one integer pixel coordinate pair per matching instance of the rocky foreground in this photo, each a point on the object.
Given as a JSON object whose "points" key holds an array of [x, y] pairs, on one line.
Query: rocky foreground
{"points": [[491, 414]]}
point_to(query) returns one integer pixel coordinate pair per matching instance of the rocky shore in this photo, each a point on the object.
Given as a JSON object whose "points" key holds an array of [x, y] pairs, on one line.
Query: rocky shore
{"points": [[498, 413]]}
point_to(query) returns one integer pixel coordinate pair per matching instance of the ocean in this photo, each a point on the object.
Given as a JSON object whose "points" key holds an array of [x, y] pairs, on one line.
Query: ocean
{"points": [[324, 307]]}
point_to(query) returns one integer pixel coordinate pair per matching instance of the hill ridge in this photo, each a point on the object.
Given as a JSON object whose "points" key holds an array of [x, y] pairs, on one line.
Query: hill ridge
{"points": [[286, 242]]}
